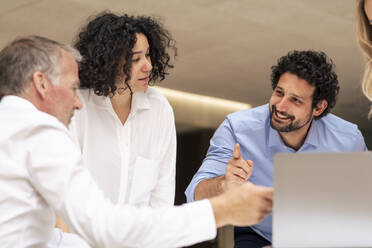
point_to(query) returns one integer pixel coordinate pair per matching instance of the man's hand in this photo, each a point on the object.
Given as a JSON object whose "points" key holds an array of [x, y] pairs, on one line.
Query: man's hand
{"points": [[237, 173], [244, 205], [61, 224], [238, 170]]}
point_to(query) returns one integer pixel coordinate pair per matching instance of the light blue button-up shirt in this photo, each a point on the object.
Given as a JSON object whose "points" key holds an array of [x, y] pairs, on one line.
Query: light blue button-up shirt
{"points": [[259, 143]]}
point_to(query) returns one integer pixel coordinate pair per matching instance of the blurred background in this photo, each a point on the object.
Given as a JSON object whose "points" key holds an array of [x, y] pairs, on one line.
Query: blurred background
{"points": [[225, 51]]}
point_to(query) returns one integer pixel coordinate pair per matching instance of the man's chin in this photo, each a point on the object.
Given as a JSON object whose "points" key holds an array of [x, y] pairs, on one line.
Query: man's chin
{"points": [[280, 128], [67, 121]]}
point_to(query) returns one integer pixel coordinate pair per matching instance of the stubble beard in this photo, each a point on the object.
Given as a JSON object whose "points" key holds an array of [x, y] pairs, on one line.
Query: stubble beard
{"points": [[294, 124]]}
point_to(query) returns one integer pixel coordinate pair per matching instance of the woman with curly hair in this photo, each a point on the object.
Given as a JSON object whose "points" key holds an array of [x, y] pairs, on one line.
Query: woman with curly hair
{"points": [[126, 130]]}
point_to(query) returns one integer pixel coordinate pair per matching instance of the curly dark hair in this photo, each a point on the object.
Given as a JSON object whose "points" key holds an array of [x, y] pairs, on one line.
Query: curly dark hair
{"points": [[314, 67], [108, 37]]}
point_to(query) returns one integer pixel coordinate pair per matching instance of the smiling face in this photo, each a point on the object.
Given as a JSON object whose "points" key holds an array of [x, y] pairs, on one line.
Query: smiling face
{"points": [[291, 104], [141, 65]]}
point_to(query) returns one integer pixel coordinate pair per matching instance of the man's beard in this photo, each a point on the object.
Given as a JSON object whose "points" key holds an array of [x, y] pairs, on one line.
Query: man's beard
{"points": [[292, 126]]}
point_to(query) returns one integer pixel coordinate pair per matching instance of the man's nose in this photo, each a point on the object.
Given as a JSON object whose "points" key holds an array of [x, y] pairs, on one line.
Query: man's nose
{"points": [[78, 103]]}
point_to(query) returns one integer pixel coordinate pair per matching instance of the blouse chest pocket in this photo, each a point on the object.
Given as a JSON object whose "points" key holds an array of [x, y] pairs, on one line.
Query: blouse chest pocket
{"points": [[145, 177]]}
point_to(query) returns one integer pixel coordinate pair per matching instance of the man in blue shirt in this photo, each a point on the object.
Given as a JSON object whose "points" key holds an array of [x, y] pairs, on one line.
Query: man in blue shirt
{"points": [[296, 119]]}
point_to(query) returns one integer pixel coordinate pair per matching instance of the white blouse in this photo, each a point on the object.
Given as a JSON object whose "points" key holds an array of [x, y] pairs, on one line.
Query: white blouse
{"points": [[133, 163]]}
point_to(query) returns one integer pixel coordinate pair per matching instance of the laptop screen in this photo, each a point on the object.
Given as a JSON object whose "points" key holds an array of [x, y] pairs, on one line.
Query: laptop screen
{"points": [[322, 200]]}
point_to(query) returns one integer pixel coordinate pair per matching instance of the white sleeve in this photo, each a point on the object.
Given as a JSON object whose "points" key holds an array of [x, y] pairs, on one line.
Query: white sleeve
{"points": [[54, 165], [164, 191]]}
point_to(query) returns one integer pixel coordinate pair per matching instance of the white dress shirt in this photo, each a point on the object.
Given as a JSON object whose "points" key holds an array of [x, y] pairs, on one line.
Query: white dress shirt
{"points": [[41, 172], [132, 163]]}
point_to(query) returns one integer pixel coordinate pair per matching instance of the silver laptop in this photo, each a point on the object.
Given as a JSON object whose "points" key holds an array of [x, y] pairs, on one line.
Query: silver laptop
{"points": [[322, 200]]}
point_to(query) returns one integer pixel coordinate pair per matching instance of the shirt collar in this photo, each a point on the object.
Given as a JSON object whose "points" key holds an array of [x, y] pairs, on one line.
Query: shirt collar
{"points": [[311, 138], [16, 101], [140, 101], [274, 137], [312, 135]]}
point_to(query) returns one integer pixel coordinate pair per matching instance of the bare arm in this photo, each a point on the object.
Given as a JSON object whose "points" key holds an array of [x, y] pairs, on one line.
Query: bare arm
{"points": [[237, 172], [209, 188]]}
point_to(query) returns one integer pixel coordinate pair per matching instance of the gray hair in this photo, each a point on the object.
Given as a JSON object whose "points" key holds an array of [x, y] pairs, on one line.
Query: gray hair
{"points": [[24, 56]]}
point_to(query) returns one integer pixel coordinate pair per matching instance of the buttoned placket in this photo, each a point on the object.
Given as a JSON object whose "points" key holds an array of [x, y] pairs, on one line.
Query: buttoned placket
{"points": [[124, 147], [123, 133], [123, 138]]}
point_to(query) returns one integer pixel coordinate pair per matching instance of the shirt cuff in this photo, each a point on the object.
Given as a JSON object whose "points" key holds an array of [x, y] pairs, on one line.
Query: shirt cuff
{"points": [[190, 190], [204, 228]]}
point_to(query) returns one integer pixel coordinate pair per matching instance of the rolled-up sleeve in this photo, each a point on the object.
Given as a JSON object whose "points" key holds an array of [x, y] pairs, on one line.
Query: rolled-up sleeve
{"points": [[218, 155]]}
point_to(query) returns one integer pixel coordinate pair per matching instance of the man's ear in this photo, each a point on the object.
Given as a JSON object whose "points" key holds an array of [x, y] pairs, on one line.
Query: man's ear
{"points": [[320, 107], [41, 83]]}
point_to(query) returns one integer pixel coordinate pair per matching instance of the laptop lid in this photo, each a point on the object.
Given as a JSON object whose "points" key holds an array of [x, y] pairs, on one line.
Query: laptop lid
{"points": [[322, 200]]}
